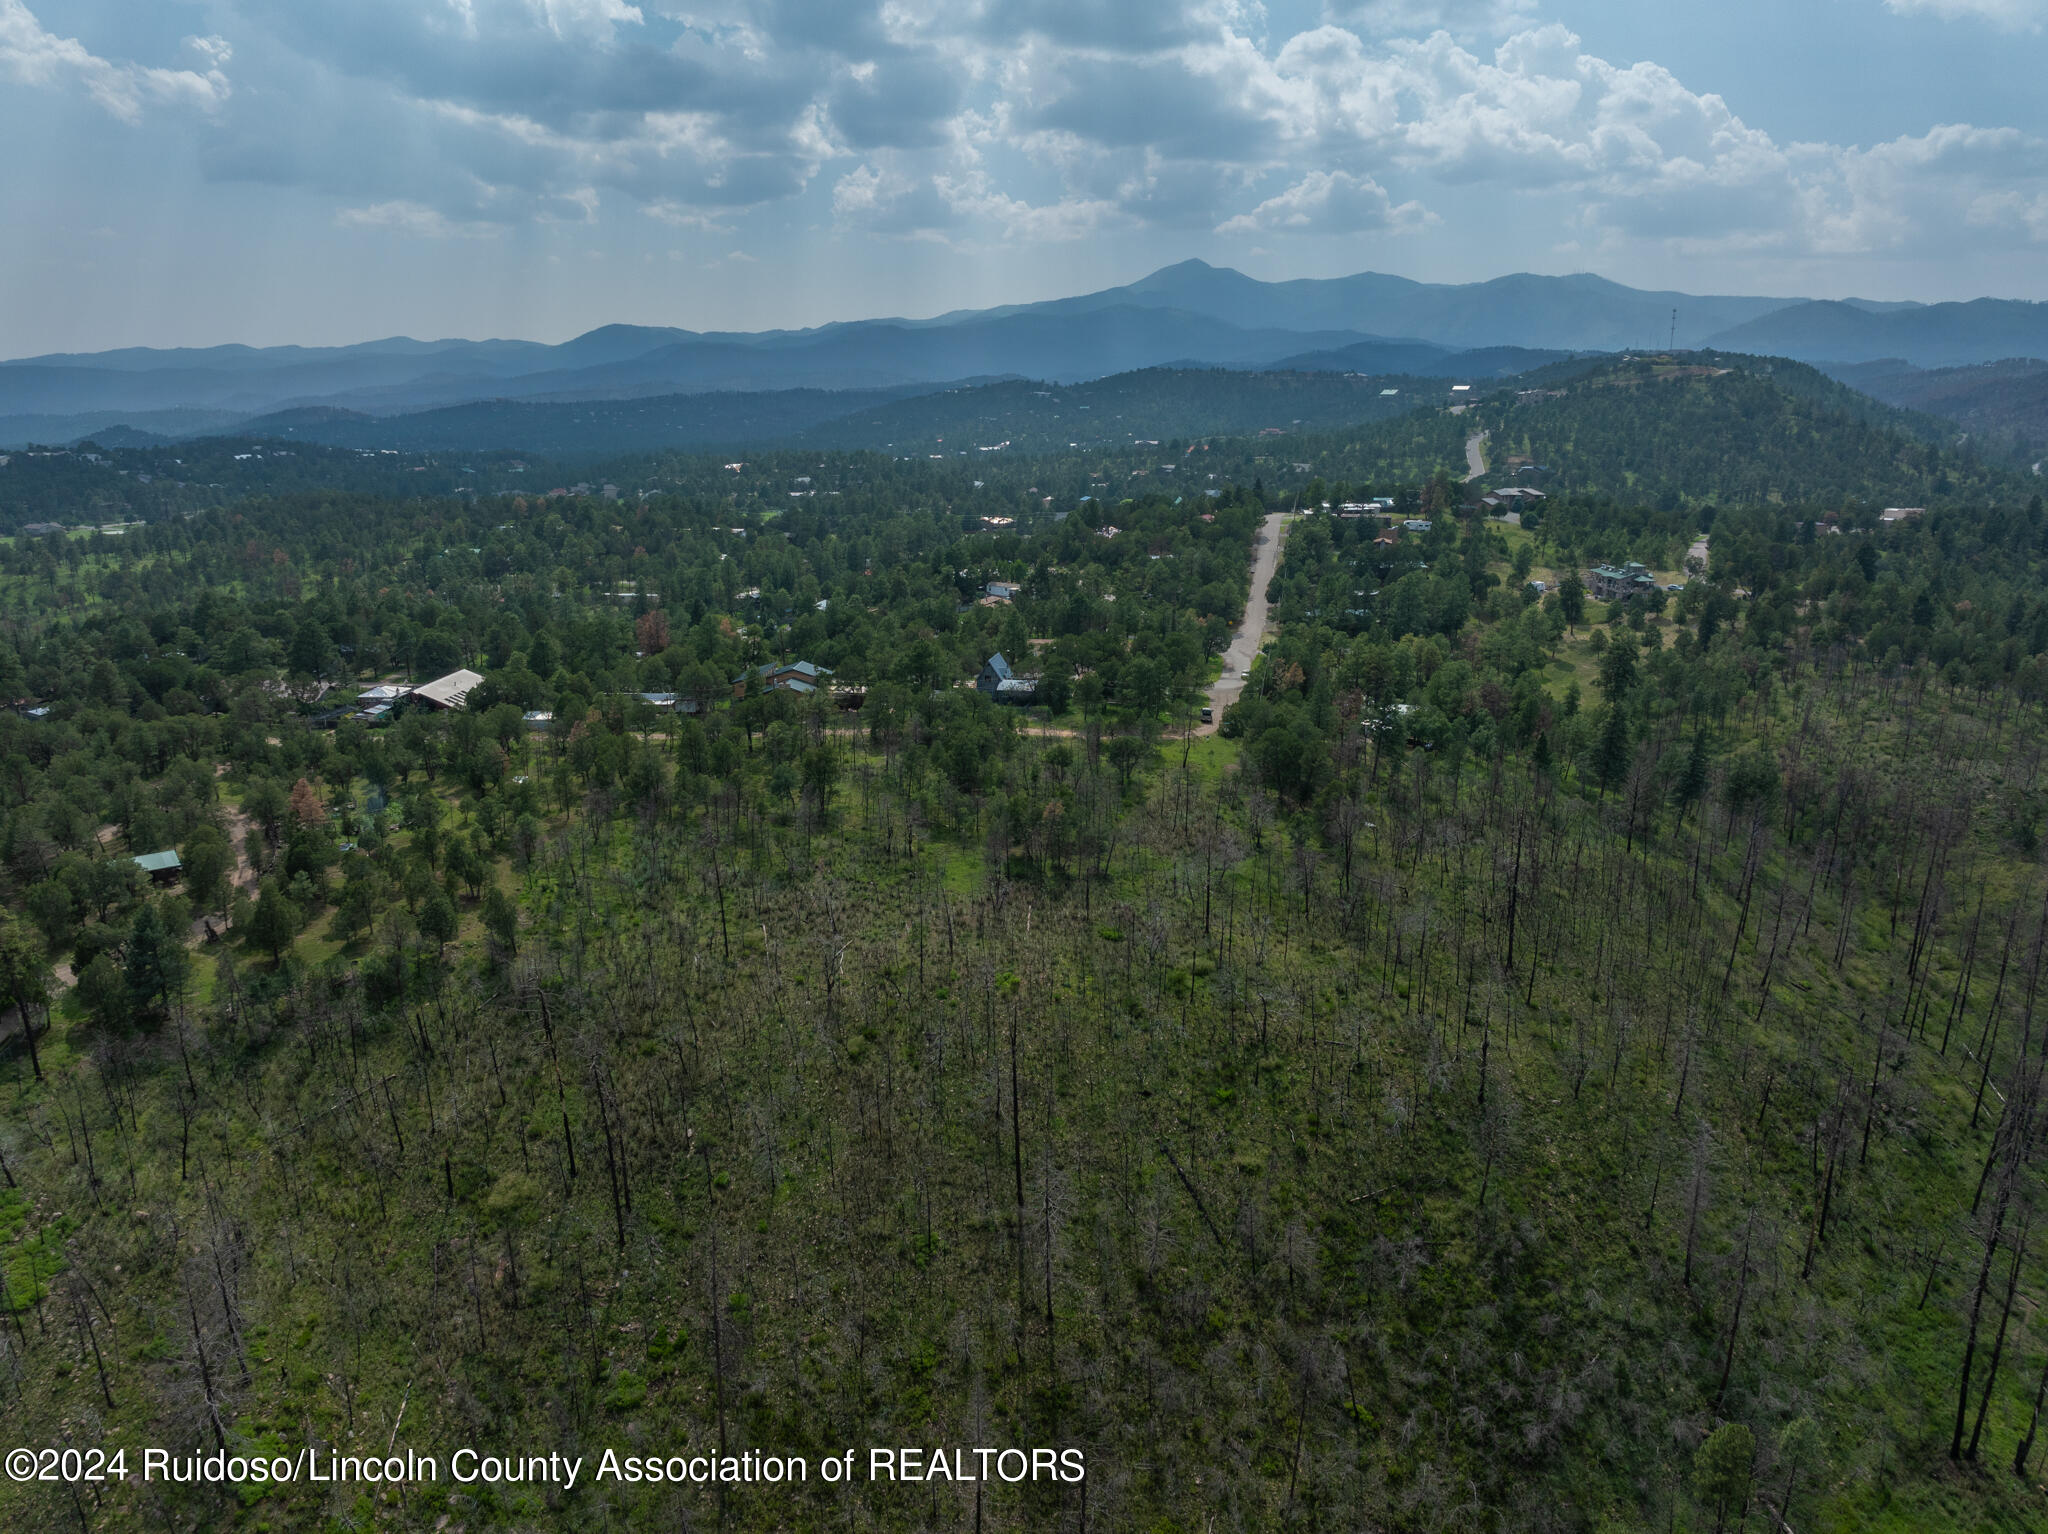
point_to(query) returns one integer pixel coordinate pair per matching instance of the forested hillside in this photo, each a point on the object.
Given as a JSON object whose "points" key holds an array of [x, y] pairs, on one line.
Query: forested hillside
{"points": [[2004, 405], [1535, 1065], [1700, 428]]}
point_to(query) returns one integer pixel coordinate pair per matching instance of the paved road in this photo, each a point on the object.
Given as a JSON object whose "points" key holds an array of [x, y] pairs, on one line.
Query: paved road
{"points": [[1475, 460], [1251, 634]]}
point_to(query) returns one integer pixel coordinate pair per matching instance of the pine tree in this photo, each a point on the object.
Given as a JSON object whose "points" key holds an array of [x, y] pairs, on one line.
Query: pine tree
{"points": [[1611, 751], [155, 967], [1692, 778]]}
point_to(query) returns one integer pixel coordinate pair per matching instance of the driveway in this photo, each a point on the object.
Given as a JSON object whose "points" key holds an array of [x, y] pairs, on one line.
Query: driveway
{"points": [[1251, 634], [1475, 460]]}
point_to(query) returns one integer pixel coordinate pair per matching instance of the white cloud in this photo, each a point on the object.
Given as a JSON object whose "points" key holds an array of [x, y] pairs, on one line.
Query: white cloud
{"points": [[35, 56], [2011, 15], [1330, 202], [1029, 121], [411, 218], [1412, 18]]}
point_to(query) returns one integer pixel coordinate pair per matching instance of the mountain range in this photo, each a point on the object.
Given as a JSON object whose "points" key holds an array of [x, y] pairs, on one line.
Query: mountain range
{"points": [[1187, 315]]}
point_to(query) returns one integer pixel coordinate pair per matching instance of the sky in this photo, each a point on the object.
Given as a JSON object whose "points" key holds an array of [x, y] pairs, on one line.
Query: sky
{"points": [[191, 172]]}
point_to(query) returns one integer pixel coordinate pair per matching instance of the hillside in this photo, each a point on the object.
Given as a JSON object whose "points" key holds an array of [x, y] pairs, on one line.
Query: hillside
{"points": [[581, 429], [1523, 1071], [2003, 404], [1700, 428], [1154, 404], [1158, 405]]}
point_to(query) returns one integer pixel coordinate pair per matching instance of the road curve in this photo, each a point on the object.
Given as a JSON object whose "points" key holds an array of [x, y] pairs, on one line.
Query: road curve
{"points": [[1251, 634], [1475, 460]]}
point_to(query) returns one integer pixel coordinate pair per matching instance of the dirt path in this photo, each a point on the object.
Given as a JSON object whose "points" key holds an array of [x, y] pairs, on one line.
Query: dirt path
{"points": [[240, 830], [1475, 458], [1251, 634]]}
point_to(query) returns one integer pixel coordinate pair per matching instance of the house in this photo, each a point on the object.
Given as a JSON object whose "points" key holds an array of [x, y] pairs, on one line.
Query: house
{"points": [[999, 682], [40, 529], [383, 692], [1511, 498], [1901, 513], [1107, 532], [994, 672], [997, 524], [783, 676], [1617, 583], [1004, 591], [666, 702], [446, 692], [162, 867]]}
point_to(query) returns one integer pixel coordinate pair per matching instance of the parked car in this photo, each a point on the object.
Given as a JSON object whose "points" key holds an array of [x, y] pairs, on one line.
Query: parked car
{"points": [[1208, 714]]}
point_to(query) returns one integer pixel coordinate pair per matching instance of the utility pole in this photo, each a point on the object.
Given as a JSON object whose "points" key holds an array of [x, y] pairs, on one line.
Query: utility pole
{"points": [[1672, 344]]}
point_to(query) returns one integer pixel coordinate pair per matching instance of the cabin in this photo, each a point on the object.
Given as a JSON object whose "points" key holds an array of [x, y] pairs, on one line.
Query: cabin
{"points": [[162, 867]]}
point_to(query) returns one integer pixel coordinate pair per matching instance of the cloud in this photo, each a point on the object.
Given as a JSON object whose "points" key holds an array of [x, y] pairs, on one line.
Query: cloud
{"points": [[886, 201], [2009, 15], [1026, 121], [411, 218], [1330, 202], [35, 56], [1413, 18]]}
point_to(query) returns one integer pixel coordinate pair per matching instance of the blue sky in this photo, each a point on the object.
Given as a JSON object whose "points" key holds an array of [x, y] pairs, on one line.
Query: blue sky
{"points": [[322, 171]]}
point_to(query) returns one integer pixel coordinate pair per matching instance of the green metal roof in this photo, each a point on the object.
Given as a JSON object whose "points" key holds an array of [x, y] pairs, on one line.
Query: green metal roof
{"points": [[158, 862]]}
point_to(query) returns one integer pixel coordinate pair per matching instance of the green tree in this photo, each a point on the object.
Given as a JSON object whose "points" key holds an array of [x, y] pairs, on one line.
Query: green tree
{"points": [[207, 860], [361, 898], [103, 992], [821, 772], [438, 920], [1571, 600], [1691, 786], [154, 963], [274, 923], [1124, 753], [1720, 1470], [1611, 749], [266, 803], [501, 919], [1799, 1446], [24, 979], [1617, 669], [467, 865]]}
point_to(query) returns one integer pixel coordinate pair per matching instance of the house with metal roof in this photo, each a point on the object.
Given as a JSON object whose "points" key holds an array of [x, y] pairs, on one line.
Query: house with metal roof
{"points": [[1618, 583], [446, 692], [162, 867], [999, 682], [799, 676]]}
